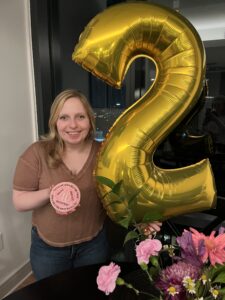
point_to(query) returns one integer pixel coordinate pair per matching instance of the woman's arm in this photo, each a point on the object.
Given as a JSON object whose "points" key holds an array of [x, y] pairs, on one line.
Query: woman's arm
{"points": [[25, 201]]}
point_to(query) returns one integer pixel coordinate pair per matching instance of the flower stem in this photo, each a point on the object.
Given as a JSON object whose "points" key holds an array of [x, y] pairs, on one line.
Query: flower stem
{"points": [[149, 276], [130, 286]]}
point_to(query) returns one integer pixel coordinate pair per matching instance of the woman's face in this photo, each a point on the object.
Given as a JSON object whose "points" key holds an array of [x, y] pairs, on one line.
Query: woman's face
{"points": [[73, 124]]}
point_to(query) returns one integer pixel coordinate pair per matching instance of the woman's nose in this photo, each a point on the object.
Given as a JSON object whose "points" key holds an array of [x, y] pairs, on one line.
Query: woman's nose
{"points": [[73, 123]]}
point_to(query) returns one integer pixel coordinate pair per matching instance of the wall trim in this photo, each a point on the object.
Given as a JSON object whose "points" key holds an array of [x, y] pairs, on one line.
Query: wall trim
{"points": [[10, 284], [30, 63]]}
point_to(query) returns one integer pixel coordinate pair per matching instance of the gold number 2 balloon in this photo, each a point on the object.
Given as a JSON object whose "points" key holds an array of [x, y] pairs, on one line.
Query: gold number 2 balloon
{"points": [[107, 47]]}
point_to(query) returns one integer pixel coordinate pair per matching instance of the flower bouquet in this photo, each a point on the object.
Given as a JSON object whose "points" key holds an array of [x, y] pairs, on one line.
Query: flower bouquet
{"points": [[191, 268], [196, 269]]}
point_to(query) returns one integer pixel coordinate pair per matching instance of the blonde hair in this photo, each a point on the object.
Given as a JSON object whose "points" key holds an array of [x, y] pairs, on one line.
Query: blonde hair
{"points": [[53, 144]]}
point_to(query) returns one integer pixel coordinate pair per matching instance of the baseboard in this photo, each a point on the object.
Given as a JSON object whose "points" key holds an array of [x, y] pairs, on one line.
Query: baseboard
{"points": [[15, 280]]}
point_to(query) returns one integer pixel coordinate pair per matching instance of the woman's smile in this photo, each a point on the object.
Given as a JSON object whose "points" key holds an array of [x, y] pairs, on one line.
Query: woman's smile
{"points": [[73, 124]]}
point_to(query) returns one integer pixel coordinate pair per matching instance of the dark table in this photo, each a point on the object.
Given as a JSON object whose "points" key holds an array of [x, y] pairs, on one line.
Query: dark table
{"points": [[76, 284], [80, 283]]}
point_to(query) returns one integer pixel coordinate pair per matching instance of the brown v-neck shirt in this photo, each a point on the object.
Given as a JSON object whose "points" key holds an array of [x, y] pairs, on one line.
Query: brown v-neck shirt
{"points": [[32, 173]]}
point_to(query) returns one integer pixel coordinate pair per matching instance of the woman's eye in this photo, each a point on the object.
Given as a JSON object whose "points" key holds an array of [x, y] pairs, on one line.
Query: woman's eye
{"points": [[62, 118], [81, 116]]}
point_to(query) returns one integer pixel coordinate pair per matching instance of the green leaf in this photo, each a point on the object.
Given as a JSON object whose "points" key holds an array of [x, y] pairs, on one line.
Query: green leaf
{"points": [[199, 287], [220, 278], [106, 181], [150, 216], [130, 236], [125, 222], [222, 292], [132, 198], [215, 271], [116, 188]]}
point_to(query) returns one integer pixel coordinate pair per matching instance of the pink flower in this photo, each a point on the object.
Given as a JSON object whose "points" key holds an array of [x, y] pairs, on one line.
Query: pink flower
{"points": [[106, 278], [214, 246], [146, 249]]}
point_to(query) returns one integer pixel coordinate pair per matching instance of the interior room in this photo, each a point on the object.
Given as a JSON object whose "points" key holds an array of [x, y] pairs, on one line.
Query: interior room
{"points": [[38, 39]]}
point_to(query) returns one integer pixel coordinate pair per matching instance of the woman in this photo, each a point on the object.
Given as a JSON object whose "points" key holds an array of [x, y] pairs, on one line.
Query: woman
{"points": [[66, 154]]}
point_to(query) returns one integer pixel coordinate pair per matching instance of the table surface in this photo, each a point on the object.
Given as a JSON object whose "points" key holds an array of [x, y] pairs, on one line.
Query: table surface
{"points": [[76, 284], [80, 283]]}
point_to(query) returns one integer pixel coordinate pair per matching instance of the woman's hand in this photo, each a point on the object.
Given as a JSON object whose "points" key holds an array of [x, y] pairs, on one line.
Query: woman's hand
{"points": [[149, 229]]}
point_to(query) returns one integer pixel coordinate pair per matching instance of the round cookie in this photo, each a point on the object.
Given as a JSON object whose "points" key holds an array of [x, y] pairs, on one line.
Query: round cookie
{"points": [[65, 197]]}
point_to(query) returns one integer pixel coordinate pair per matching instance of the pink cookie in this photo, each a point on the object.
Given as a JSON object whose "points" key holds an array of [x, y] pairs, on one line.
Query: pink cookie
{"points": [[65, 197]]}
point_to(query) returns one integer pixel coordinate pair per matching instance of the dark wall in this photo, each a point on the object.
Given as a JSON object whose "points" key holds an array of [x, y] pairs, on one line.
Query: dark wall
{"points": [[72, 21], [56, 27]]}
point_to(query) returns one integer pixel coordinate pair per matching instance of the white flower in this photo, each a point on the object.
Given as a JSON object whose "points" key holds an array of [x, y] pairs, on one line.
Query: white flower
{"points": [[214, 292], [189, 284], [203, 279], [172, 291]]}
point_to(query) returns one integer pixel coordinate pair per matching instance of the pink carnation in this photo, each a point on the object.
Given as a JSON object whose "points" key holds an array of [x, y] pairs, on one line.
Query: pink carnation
{"points": [[146, 249], [106, 278]]}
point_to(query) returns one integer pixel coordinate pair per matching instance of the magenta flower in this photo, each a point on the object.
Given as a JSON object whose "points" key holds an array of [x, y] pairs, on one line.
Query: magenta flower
{"points": [[173, 276], [146, 249], [188, 250], [107, 276]]}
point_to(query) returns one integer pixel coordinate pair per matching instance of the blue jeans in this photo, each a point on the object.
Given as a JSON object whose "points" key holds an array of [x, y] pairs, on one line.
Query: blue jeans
{"points": [[48, 260]]}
